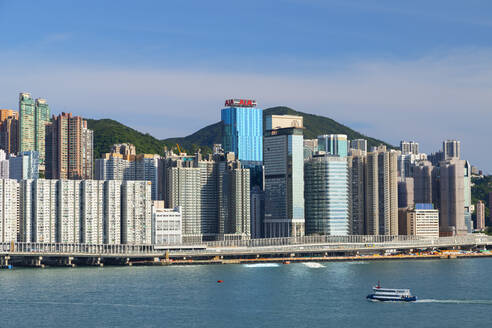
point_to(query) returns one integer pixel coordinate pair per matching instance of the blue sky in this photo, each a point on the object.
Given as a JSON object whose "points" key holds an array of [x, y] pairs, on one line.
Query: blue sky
{"points": [[394, 70]]}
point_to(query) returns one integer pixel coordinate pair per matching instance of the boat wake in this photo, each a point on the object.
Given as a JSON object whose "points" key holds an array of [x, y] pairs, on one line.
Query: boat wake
{"points": [[313, 265], [486, 302], [262, 265]]}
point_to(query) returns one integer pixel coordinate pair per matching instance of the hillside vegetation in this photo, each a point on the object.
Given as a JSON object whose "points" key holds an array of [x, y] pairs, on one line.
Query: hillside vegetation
{"points": [[108, 132]]}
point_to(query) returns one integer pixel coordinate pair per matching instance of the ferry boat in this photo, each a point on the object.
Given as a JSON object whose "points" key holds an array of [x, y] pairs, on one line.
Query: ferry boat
{"points": [[389, 294]]}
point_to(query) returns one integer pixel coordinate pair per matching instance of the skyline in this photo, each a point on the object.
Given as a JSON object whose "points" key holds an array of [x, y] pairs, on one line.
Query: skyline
{"points": [[391, 71]]}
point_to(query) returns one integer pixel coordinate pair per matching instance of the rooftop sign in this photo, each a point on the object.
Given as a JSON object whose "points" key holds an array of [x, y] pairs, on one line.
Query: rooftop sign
{"points": [[240, 103]]}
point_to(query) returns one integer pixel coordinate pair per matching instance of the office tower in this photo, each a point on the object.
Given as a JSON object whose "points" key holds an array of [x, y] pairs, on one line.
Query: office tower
{"points": [[91, 212], [409, 147], [9, 125], [423, 220], [356, 178], [112, 212], [136, 212], [243, 130], [326, 195], [24, 166], [283, 160], [310, 147], [480, 215], [451, 149], [452, 197], [69, 148], [41, 118], [9, 205], [125, 149], [359, 144], [406, 193], [44, 210], [334, 144], [166, 224], [382, 192], [257, 212]]}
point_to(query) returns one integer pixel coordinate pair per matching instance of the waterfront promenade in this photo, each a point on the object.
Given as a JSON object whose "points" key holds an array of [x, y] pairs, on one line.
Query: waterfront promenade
{"points": [[235, 251]]}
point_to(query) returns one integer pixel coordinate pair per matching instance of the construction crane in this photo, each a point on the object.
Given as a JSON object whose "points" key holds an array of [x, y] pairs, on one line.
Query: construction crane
{"points": [[179, 149]]}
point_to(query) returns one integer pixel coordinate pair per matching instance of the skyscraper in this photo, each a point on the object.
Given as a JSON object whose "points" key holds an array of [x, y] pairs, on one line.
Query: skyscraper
{"points": [[409, 147], [451, 149], [243, 130], [27, 123], [382, 192], [9, 125], [424, 177], [334, 144], [326, 195], [69, 145], [480, 211], [283, 157], [9, 204], [356, 181], [136, 213], [359, 144], [33, 118], [452, 197], [406, 193]]}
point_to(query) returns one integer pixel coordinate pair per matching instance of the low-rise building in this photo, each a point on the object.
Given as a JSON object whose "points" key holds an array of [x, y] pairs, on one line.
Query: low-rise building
{"points": [[423, 220], [166, 224]]}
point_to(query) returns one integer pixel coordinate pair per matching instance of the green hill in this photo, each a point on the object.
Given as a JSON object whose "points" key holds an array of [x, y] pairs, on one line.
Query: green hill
{"points": [[108, 132], [315, 125]]}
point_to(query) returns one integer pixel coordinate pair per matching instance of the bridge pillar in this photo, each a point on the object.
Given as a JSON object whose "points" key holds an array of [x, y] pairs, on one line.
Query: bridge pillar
{"points": [[127, 262], [4, 260], [67, 261], [37, 262]]}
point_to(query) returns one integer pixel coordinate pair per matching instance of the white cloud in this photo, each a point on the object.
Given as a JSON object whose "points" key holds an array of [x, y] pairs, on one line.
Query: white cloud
{"points": [[427, 100]]}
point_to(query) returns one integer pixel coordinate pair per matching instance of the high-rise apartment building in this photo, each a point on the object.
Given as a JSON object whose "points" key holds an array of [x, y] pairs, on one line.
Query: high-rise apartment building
{"points": [[144, 167], [69, 148], [44, 210], [356, 182], [125, 149], [9, 125], [25, 223], [452, 197], [423, 220], [112, 211], [425, 186], [34, 115], [327, 195], [451, 149], [68, 211], [406, 193], [409, 147], [91, 212], [480, 213], [136, 212], [214, 194], [359, 144], [9, 205], [382, 192], [283, 159], [334, 144]]}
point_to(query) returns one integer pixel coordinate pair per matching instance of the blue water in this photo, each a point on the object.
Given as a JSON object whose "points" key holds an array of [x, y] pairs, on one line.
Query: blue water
{"points": [[452, 293]]}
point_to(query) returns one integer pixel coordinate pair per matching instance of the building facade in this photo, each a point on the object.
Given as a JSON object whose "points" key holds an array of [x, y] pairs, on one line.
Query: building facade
{"points": [[69, 148], [327, 195], [423, 220], [167, 224], [284, 182], [452, 197], [136, 212], [9, 126], [480, 213], [334, 144]]}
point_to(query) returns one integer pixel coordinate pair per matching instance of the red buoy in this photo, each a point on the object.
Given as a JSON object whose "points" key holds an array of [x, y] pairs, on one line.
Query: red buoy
{"points": [[219, 281]]}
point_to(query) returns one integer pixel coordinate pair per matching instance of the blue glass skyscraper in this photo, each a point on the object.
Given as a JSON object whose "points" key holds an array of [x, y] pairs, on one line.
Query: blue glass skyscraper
{"points": [[243, 131], [333, 144]]}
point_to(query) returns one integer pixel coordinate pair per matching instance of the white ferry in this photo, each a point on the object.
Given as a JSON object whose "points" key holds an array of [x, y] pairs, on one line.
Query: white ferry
{"points": [[389, 294]]}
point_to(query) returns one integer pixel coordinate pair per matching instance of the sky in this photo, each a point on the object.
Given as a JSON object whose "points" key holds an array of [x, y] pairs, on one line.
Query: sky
{"points": [[393, 70]]}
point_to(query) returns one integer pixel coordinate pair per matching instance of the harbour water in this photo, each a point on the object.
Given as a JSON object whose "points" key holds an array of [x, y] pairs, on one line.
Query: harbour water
{"points": [[452, 293]]}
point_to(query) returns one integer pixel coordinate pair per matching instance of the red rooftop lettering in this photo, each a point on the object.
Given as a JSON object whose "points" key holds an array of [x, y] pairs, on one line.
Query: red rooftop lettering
{"points": [[240, 103]]}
